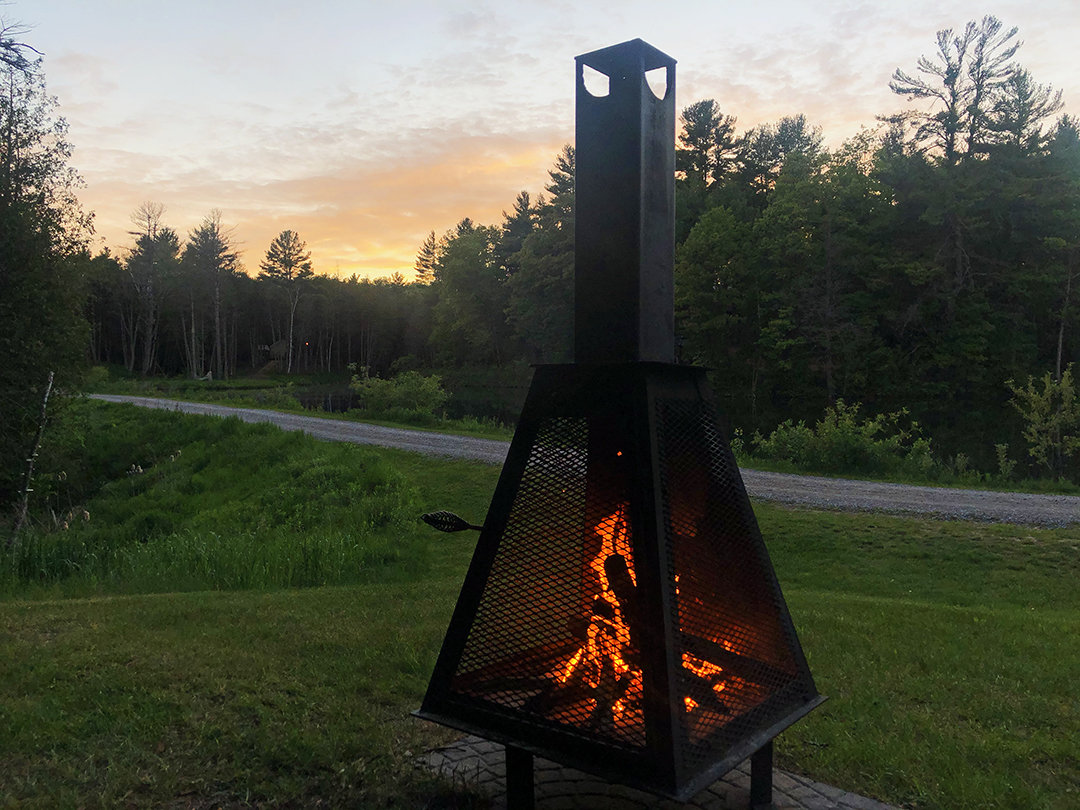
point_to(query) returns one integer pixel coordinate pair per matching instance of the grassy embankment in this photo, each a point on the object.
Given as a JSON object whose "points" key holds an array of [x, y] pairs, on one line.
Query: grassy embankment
{"points": [[857, 447], [948, 649]]}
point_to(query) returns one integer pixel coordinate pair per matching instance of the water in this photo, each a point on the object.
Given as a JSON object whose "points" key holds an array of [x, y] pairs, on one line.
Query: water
{"points": [[333, 402]]}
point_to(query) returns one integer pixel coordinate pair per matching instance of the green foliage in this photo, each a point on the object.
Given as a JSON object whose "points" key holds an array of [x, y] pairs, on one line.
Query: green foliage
{"points": [[844, 442], [409, 392], [917, 267], [1005, 464], [1052, 420], [166, 501], [469, 322], [43, 262]]}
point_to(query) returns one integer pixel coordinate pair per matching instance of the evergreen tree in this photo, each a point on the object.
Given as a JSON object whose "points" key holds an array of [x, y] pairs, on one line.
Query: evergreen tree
{"points": [[704, 160], [541, 291], [469, 321], [288, 266], [210, 262], [427, 259], [965, 80], [150, 264], [516, 227]]}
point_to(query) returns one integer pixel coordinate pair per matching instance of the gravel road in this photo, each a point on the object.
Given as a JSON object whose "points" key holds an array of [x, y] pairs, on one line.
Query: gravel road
{"points": [[338, 430], [806, 490]]}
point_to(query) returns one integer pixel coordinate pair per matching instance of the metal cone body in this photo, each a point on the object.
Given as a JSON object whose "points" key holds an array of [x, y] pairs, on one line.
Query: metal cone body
{"points": [[621, 614]]}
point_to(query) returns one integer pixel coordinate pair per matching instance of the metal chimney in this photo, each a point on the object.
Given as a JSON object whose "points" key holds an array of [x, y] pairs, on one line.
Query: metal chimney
{"points": [[625, 203]]}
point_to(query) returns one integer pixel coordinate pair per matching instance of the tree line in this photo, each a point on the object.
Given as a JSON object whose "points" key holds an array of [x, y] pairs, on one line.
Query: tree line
{"points": [[928, 265], [482, 294]]}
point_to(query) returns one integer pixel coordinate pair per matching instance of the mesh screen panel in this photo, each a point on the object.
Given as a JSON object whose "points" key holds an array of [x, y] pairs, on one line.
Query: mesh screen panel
{"points": [[621, 614], [730, 639], [553, 639]]}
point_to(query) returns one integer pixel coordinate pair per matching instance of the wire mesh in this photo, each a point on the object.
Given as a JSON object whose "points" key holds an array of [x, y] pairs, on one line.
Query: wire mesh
{"points": [[552, 638], [733, 652]]}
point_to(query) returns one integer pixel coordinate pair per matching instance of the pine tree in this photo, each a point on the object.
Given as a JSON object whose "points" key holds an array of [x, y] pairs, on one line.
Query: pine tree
{"points": [[288, 266]]}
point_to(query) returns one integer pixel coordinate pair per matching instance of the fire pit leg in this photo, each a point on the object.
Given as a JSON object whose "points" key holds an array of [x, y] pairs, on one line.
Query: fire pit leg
{"points": [[761, 770], [519, 779]]}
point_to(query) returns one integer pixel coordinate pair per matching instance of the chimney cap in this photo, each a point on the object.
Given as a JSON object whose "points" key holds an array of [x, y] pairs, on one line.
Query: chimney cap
{"points": [[635, 54]]}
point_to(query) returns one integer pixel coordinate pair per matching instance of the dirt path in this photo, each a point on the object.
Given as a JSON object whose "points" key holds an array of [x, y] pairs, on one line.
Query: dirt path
{"points": [[826, 493]]}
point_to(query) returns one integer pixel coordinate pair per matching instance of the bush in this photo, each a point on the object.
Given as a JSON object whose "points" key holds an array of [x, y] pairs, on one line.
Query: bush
{"points": [[1052, 421], [96, 379], [842, 442], [409, 392]]}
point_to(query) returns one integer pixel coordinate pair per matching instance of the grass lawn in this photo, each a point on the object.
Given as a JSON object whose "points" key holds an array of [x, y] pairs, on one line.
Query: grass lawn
{"points": [[949, 652]]}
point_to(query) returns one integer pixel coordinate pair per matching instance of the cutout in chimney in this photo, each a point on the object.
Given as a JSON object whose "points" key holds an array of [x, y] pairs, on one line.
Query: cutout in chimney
{"points": [[657, 79], [598, 84]]}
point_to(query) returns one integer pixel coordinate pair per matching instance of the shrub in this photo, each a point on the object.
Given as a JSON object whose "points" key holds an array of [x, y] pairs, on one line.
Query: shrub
{"points": [[409, 392], [1052, 420], [97, 377], [844, 442]]}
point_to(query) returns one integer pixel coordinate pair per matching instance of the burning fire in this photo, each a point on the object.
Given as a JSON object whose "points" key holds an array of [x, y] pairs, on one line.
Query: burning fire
{"points": [[606, 665]]}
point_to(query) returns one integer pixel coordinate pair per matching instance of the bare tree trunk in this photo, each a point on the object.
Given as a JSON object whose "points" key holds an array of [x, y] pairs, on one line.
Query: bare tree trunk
{"points": [[187, 343], [230, 349], [219, 348], [1061, 324], [828, 314], [24, 499], [292, 317], [129, 331], [149, 334]]}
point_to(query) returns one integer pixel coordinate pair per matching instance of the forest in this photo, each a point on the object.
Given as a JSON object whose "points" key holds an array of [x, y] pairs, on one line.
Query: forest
{"points": [[927, 266]]}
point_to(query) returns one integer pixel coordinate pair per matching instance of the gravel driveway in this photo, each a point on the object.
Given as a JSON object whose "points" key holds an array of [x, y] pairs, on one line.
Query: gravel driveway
{"points": [[826, 493]]}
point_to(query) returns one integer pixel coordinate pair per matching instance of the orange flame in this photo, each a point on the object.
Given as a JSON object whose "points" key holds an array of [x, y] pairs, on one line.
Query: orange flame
{"points": [[608, 640]]}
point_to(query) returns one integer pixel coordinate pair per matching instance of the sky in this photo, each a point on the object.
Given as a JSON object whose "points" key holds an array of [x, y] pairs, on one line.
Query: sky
{"points": [[365, 125]]}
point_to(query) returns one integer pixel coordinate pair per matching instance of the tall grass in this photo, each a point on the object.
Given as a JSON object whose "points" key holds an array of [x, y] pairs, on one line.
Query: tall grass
{"points": [[159, 501]]}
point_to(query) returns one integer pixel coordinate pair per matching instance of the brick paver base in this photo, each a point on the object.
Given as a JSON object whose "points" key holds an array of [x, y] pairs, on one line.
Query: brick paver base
{"points": [[479, 765]]}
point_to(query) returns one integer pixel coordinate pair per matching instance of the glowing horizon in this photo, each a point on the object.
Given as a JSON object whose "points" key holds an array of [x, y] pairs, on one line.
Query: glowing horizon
{"points": [[364, 127]]}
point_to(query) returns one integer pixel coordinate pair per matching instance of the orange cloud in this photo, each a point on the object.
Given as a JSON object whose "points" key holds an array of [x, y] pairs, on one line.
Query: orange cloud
{"points": [[359, 218]]}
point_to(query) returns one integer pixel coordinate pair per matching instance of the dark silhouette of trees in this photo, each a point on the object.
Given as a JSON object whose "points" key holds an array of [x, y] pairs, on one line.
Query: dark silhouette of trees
{"points": [[209, 265], [964, 80], [150, 265], [541, 299], [43, 260], [919, 266], [288, 266]]}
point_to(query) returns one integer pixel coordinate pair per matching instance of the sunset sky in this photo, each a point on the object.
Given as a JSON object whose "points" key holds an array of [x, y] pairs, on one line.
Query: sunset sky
{"points": [[365, 125]]}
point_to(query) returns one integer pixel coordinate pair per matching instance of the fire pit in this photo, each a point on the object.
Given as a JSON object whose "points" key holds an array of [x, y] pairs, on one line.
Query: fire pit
{"points": [[621, 614]]}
